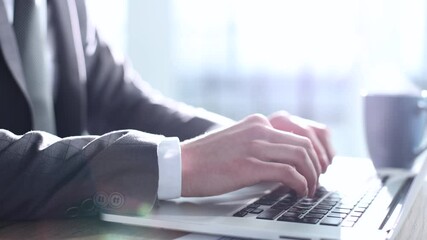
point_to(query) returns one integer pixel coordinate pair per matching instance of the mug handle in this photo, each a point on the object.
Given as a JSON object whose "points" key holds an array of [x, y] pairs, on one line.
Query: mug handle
{"points": [[422, 106]]}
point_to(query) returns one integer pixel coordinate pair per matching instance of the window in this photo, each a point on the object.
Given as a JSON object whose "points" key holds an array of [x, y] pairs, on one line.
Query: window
{"points": [[309, 57]]}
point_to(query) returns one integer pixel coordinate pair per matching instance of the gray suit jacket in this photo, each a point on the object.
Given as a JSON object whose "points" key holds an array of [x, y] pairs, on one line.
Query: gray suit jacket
{"points": [[114, 170]]}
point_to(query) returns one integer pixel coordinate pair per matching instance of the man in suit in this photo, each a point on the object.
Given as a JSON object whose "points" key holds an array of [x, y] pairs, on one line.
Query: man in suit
{"points": [[92, 136]]}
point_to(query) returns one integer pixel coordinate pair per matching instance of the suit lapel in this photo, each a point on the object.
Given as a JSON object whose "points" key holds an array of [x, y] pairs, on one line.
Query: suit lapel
{"points": [[9, 48]]}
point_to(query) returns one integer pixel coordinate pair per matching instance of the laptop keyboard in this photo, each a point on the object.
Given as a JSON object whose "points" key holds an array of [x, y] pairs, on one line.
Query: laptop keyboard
{"points": [[325, 208]]}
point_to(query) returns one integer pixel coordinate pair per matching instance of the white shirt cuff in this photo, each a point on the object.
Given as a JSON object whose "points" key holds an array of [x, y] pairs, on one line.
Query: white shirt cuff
{"points": [[169, 160]]}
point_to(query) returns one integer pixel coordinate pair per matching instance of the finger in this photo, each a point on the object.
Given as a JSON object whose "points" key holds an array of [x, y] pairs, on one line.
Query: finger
{"points": [[324, 138], [318, 148], [286, 174], [299, 127], [322, 134], [303, 127], [277, 136], [290, 155]]}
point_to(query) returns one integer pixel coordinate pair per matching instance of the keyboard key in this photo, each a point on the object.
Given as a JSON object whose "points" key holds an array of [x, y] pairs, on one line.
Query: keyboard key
{"points": [[348, 202], [306, 205], [325, 207], [279, 206], [352, 219], [290, 214], [292, 195], [288, 219], [329, 203], [297, 210], [253, 205], [240, 213], [309, 220], [308, 201], [363, 205], [269, 214], [333, 199], [248, 209], [287, 201], [340, 210], [281, 191], [337, 215], [356, 214], [347, 224], [303, 207], [349, 198], [344, 206], [313, 215], [359, 209], [334, 195], [257, 211], [331, 221], [320, 211]]}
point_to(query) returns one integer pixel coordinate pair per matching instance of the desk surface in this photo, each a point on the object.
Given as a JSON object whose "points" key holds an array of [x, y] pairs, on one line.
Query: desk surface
{"points": [[415, 227]]}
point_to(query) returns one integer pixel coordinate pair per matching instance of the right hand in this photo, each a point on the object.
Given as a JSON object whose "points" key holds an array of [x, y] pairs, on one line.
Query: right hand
{"points": [[245, 154]]}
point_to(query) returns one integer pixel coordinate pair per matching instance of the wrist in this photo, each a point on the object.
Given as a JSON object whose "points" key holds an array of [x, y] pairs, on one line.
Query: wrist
{"points": [[192, 169], [186, 172]]}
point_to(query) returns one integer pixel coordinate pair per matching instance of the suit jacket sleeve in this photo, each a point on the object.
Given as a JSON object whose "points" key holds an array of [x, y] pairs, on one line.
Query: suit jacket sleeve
{"points": [[43, 176]]}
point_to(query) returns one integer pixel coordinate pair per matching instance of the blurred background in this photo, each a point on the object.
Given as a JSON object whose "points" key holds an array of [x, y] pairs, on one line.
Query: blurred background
{"points": [[237, 57]]}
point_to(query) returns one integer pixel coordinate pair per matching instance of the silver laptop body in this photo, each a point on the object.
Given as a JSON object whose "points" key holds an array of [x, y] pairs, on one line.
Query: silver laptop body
{"points": [[371, 205]]}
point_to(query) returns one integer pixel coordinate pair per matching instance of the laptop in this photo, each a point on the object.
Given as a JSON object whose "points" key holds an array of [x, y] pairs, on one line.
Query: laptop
{"points": [[355, 201]]}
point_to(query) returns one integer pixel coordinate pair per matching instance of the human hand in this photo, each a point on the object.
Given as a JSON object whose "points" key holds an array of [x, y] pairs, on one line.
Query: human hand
{"points": [[247, 153], [316, 132]]}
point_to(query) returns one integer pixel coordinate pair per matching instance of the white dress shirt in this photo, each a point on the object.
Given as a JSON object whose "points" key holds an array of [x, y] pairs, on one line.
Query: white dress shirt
{"points": [[168, 150]]}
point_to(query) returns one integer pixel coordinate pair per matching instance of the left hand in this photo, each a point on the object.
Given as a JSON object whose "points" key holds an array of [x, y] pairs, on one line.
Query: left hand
{"points": [[316, 132]]}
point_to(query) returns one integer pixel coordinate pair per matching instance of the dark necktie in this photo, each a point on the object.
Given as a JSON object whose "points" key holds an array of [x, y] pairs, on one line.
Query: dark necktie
{"points": [[32, 43]]}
